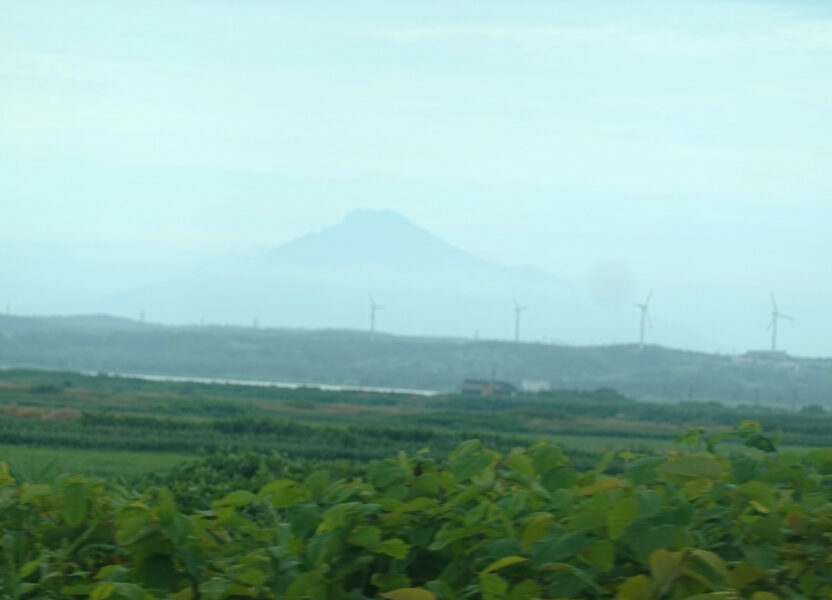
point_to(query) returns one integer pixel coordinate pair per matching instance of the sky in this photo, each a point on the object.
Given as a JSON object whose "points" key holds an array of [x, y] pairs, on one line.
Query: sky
{"points": [[682, 147]]}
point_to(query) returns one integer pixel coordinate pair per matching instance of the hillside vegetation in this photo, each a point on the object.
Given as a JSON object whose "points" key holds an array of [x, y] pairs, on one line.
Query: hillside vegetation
{"points": [[344, 357]]}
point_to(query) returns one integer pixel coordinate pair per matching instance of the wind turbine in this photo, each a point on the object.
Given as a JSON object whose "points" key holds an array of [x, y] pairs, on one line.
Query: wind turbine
{"points": [[517, 310], [373, 308], [645, 318], [776, 315]]}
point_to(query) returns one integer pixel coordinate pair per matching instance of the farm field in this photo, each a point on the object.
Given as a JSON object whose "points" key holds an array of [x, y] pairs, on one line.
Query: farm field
{"points": [[95, 423], [694, 522], [42, 463]]}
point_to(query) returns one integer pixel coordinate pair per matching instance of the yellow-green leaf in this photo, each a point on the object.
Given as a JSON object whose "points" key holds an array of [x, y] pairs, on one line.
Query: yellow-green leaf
{"points": [[408, 594], [75, 503], [29, 568], [600, 555], [620, 515], [665, 567], [764, 596], [103, 590], [637, 587], [607, 483], [536, 527], [503, 562], [692, 466], [394, 547], [236, 498]]}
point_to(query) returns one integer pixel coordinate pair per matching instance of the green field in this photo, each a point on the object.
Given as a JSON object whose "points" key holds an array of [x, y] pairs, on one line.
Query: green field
{"points": [[113, 425], [42, 463], [694, 523]]}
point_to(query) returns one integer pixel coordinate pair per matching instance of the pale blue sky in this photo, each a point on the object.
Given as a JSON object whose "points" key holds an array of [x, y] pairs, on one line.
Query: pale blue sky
{"points": [[684, 145]]}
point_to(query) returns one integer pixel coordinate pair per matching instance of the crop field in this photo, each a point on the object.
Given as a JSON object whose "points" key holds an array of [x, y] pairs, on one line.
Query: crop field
{"points": [[123, 488], [112, 425], [693, 523]]}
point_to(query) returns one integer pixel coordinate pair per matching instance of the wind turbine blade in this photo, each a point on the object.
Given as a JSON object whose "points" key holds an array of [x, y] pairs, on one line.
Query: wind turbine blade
{"points": [[774, 303], [787, 317], [647, 300]]}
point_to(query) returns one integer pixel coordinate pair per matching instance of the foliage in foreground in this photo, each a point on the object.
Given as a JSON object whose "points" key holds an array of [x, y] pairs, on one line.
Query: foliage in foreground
{"points": [[694, 524]]}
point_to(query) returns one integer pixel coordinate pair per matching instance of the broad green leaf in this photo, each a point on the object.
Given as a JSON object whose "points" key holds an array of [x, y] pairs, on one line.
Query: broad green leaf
{"points": [[336, 516], [665, 567], [394, 547], [29, 568], [760, 442], [464, 449], [284, 493], [600, 555], [214, 589], [103, 590], [621, 514], [183, 594], [251, 576], [80, 589], [408, 594], [129, 591], [558, 547], [580, 574], [492, 586], [764, 596], [390, 581], [713, 561], [236, 498], [30, 492], [303, 583], [520, 461], [527, 589], [536, 527], [545, 458], [75, 495], [742, 575], [692, 466], [503, 562], [165, 505], [427, 483], [365, 536], [470, 465], [643, 470], [691, 436], [602, 485], [317, 482], [637, 587]]}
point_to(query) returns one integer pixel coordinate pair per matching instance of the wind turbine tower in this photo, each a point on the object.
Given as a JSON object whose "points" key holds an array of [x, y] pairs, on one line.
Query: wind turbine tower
{"points": [[373, 308], [645, 318], [776, 315], [517, 310]]}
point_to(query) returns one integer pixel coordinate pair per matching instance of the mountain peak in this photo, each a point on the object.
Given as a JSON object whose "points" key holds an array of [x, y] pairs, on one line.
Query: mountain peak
{"points": [[362, 237], [375, 217]]}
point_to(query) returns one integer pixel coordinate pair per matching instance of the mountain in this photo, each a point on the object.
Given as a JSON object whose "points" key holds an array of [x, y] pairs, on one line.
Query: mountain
{"points": [[425, 285], [387, 239]]}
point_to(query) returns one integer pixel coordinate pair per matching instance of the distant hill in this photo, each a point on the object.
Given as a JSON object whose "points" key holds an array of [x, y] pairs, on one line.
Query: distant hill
{"points": [[80, 323], [425, 285], [354, 358]]}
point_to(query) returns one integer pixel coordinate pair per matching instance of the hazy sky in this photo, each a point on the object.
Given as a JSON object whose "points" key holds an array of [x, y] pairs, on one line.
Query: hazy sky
{"points": [[681, 146]]}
